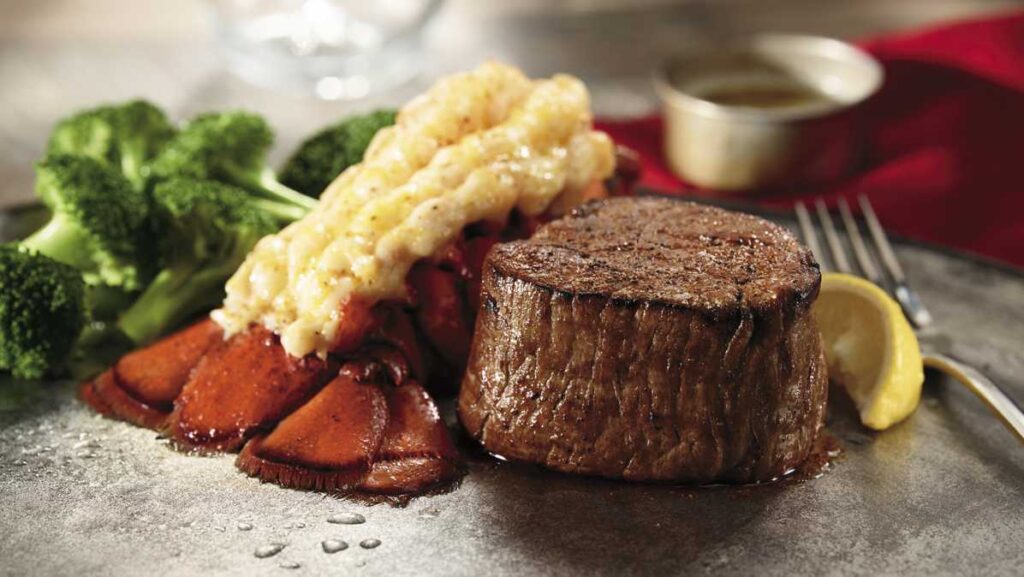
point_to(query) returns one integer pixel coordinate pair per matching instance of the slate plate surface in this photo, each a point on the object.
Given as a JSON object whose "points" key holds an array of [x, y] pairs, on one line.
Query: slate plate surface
{"points": [[942, 493]]}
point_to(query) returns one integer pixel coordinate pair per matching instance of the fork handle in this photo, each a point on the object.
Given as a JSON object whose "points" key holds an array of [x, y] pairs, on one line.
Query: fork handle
{"points": [[985, 389]]}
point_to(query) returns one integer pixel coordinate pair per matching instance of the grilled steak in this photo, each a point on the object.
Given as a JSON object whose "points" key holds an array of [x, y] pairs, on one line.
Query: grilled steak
{"points": [[649, 339]]}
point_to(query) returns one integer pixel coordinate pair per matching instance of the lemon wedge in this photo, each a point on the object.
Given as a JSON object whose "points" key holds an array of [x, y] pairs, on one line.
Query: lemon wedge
{"points": [[870, 349]]}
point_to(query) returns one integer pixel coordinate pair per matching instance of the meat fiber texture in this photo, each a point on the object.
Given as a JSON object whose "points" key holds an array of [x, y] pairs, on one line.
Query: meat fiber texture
{"points": [[649, 340]]}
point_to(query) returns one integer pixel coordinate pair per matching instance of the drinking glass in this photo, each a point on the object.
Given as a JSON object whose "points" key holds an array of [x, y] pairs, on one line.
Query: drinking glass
{"points": [[333, 49]]}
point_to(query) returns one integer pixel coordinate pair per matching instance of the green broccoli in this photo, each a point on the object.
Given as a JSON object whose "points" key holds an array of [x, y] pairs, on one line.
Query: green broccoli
{"points": [[230, 147], [41, 314], [126, 136], [99, 222], [329, 152], [206, 230]]}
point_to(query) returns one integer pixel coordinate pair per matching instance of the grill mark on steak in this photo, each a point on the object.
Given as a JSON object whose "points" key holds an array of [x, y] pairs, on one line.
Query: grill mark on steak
{"points": [[649, 339]]}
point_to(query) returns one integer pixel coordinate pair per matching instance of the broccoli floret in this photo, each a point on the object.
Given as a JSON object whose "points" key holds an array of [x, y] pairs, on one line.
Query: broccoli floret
{"points": [[230, 147], [126, 136], [325, 155], [98, 222], [41, 314], [206, 230]]}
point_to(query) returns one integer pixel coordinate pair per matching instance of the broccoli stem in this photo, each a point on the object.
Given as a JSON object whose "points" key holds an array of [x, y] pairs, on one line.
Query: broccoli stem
{"points": [[174, 296], [269, 181], [283, 212], [105, 301], [62, 240], [98, 347], [270, 188]]}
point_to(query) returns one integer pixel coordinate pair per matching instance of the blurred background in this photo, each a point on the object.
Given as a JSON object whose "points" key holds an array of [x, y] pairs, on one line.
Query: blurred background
{"points": [[60, 55]]}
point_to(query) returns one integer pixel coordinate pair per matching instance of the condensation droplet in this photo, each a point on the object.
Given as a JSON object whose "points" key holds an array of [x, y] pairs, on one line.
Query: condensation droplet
{"points": [[346, 519], [334, 545], [264, 551], [369, 543], [430, 513]]}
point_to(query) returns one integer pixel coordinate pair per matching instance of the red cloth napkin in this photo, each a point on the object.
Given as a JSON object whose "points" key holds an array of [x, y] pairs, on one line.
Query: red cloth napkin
{"points": [[946, 140]]}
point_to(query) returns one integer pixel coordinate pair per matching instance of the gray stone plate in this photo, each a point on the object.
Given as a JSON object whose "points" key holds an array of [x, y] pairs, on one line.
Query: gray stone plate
{"points": [[942, 493]]}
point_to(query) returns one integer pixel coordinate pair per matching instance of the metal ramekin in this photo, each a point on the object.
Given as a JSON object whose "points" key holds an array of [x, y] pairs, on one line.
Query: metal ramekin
{"points": [[731, 149]]}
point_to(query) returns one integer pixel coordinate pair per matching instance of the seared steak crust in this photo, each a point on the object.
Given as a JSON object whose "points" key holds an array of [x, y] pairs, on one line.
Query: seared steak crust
{"points": [[649, 339]]}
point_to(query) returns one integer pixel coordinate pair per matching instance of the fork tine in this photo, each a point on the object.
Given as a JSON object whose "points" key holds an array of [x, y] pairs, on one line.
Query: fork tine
{"points": [[832, 238], [881, 241], [908, 299], [810, 237], [860, 250]]}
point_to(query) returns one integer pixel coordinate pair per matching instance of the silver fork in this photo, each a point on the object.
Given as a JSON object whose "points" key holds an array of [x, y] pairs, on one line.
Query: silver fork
{"points": [[935, 345]]}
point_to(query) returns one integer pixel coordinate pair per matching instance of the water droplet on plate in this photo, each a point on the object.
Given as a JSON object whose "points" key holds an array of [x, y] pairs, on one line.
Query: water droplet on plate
{"points": [[264, 551], [369, 543], [430, 513], [346, 519], [334, 545]]}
